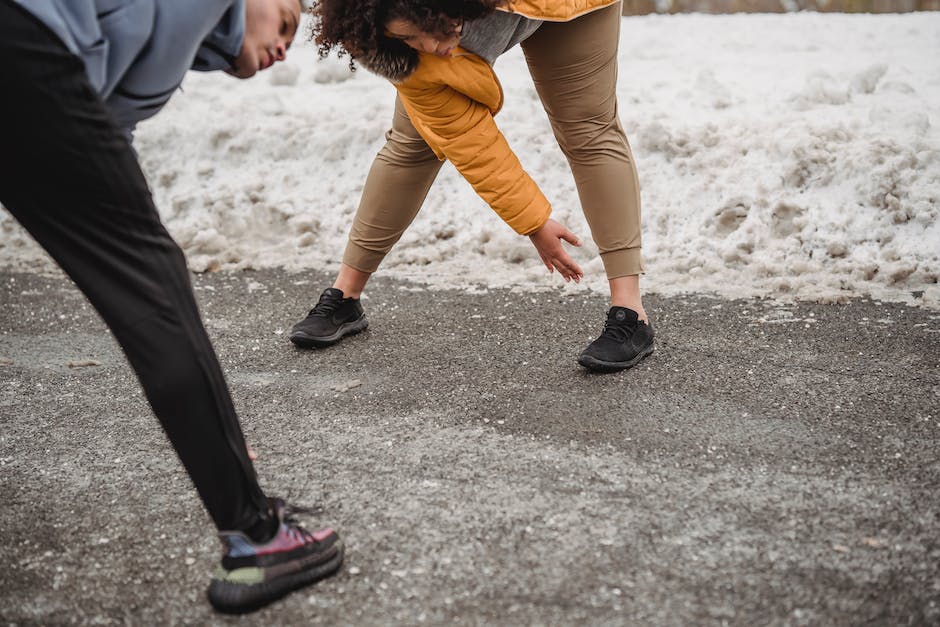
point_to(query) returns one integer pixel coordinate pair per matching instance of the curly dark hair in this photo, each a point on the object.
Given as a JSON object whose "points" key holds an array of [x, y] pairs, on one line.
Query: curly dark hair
{"points": [[357, 27]]}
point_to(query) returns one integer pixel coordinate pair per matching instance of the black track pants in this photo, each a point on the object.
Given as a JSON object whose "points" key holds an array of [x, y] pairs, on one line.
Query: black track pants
{"points": [[70, 177]]}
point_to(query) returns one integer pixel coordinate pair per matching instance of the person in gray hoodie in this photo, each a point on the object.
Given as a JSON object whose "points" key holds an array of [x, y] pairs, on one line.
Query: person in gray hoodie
{"points": [[78, 75]]}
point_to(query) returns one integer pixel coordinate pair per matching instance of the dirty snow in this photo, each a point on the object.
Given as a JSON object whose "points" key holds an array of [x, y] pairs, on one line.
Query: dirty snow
{"points": [[793, 155]]}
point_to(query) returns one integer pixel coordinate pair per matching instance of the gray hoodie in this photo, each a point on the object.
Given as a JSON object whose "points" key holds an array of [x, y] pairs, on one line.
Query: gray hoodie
{"points": [[136, 52]]}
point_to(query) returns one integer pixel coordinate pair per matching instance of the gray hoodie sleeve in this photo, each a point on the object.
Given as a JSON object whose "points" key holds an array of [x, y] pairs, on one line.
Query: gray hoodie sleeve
{"points": [[75, 22], [136, 52], [179, 28]]}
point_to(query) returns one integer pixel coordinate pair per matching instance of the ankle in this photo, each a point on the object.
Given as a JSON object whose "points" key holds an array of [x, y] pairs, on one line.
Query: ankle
{"points": [[348, 292], [263, 529], [350, 281], [635, 307], [625, 292]]}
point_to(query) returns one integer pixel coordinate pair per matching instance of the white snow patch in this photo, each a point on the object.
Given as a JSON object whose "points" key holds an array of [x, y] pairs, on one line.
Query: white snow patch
{"points": [[795, 155]]}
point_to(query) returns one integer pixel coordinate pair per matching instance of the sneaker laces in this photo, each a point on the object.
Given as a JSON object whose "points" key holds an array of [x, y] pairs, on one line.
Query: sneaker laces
{"points": [[297, 532], [619, 332], [294, 528], [290, 512], [327, 304]]}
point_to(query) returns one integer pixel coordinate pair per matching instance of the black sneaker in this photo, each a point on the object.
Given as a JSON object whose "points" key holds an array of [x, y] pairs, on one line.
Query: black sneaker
{"points": [[253, 574], [623, 343], [333, 318]]}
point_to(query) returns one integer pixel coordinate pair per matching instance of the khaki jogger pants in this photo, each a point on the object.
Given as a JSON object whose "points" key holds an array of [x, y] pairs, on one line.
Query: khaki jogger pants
{"points": [[574, 68]]}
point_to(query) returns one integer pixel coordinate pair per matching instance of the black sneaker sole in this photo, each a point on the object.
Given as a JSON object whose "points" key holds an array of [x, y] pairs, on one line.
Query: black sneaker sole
{"points": [[598, 365], [305, 340], [233, 598]]}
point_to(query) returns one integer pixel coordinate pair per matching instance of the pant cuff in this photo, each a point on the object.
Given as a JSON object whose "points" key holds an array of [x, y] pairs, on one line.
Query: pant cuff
{"points": [[362, 259], [623, 262]]}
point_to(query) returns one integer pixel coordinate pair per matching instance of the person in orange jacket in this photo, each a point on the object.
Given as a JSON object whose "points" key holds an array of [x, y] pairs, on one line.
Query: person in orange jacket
{"points": [[439, 54]]}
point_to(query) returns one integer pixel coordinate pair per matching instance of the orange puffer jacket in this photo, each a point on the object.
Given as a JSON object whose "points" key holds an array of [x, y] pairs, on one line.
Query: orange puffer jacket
{"points": [[451, 102]]}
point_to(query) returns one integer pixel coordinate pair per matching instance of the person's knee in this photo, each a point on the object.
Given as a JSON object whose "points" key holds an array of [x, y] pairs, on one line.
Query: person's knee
{"points": [[593, 141], [401, 149]]}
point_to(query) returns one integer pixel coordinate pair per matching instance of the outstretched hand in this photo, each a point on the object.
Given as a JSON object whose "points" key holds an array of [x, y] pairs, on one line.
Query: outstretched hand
{"points": [[547, 240]]}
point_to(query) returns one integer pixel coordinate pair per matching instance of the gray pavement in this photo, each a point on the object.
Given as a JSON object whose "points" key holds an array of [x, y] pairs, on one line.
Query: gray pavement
{"points": [[769, 464]]}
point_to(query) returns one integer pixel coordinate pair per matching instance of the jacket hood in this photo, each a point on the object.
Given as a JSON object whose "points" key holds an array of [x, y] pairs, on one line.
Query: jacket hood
{"points": [[222, 46], [393, 60], [396, 61]]}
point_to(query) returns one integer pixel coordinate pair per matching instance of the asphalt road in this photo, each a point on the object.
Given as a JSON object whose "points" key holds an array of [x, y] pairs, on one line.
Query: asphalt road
{"points": [[769, 464]]}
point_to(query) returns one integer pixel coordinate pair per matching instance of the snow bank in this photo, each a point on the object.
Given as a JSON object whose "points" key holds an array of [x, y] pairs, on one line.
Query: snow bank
{"points": [[794, 155]]}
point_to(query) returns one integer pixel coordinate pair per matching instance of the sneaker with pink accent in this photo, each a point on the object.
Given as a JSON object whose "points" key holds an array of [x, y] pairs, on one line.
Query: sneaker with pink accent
{"points": [[254, 574]]}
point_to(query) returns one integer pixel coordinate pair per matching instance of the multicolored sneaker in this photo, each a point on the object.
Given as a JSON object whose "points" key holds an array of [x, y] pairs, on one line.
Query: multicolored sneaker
{"points": [[254, 574]]}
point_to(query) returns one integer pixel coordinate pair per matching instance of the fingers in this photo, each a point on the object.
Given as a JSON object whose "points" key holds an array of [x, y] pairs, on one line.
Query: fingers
{"points": [[548, 243], [567, 268], [547, 262], [558, 259], [569, 237], [562, 260]]}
